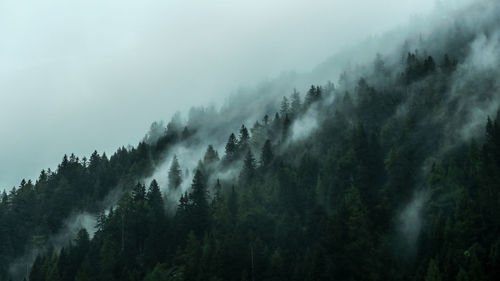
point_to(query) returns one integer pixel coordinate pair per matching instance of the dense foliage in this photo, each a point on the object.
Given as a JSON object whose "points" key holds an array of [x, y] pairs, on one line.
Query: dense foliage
{"points": [[377, 178]]}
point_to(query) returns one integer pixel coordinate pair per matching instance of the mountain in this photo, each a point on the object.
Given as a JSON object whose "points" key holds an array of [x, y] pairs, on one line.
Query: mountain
{"points": [[390, 173]]}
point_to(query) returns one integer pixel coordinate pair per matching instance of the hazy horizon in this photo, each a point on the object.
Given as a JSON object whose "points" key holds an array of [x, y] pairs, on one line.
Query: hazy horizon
{"points": [[75, 79]]}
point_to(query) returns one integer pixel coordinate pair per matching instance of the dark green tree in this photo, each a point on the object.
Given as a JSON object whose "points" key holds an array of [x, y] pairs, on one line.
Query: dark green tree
{"points": [[248, 173], [243, 140], [312, 96], [198, 204], [231, 148], [211, 155], [174, 174], [154, 198]]}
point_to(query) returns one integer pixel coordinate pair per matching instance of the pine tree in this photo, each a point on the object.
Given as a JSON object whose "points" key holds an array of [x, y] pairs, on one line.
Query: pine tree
{"points": [[154, 198], [285, 107], [156, 241], [276, 126], [198, 204], [244, 137], [429, 65], [94, 162], [211, 155], [258, 134], [231, 148], [313, 95], [182, 214], [174, 174], [249, 166], [101, 221], [265, 120], [82, 240], [139, 192]]}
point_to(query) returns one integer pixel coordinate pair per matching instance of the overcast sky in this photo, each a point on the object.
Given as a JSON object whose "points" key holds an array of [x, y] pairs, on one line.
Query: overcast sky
{"points": [[76, 76]]}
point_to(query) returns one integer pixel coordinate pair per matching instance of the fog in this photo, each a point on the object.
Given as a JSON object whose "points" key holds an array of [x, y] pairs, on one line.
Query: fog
{"points": [[84, 75], [75, 79], [62, 238]]}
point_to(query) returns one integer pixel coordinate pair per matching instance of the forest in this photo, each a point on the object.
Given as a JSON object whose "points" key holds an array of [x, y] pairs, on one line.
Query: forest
{"points": [[390, 173]]}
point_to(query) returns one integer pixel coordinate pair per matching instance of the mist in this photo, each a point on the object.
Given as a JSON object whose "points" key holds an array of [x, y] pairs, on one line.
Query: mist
{"points": [[62, 238], [99, 78], [86, 75]]}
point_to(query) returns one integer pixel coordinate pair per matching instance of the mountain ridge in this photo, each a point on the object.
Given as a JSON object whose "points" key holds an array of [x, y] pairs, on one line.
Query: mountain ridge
{"points": [[398, 169]]}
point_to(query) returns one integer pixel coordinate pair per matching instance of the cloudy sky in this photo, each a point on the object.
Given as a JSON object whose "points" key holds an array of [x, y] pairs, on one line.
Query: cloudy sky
{"points": [[76, 76]]}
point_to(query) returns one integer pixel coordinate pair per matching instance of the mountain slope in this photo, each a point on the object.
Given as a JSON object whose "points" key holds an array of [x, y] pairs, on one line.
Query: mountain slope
{"points": [[391, 173]]}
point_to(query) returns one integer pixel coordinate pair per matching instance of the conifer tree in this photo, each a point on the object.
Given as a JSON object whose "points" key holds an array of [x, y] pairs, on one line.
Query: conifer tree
{"points": [[139, 192], [276, 126], [198, 204], [248, 171], [231, 148], [285, 107], [265, 120], [211, 155], [154, 198], [244, 137], [313, 95], [174, 174]]}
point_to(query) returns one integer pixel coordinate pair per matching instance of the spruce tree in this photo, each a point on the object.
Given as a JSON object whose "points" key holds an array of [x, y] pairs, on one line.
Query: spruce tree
{"points": [[244, 137], [154, 198], [198, 204], [248, 171], [231, 148], [313, 95], [211, 155], [265, 120], [285, 107], [174, 174]]}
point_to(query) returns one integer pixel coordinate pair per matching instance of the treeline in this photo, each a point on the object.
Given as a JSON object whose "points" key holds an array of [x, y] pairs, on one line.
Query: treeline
{"points": [[330, 206], [34, 211]]}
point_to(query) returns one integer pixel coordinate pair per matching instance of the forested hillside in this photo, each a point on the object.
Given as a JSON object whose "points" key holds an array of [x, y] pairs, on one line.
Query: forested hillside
{"points": [[390, 173]]}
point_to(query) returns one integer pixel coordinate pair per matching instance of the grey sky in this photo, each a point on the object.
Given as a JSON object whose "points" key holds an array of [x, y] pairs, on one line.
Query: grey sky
{"points": [[82, 75]]}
